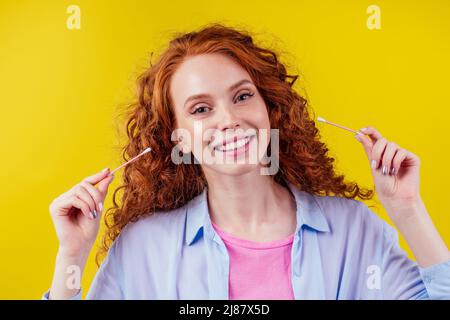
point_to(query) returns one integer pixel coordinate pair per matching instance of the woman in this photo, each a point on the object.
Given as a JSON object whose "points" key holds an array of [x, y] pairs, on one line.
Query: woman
{"points": [[199, 220]]}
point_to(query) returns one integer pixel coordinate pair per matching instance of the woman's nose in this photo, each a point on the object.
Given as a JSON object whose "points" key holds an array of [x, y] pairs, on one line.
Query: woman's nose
{"points": [[228, 120]]}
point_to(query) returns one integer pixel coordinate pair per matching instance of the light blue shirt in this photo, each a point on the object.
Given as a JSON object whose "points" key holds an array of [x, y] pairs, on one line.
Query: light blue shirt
{"points": [[341, 250]]}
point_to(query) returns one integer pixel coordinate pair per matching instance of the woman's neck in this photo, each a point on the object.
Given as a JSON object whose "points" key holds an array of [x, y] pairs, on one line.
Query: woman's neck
{"points": [[252, 207]]}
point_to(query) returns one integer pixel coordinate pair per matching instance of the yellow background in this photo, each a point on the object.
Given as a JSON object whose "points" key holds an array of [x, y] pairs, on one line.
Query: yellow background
{"points": [[60, 92]]}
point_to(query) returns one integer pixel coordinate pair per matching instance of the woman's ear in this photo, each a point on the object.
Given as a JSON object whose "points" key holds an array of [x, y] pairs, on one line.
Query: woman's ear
{"points": [[183, 145], [185, 148], [182, 139]]}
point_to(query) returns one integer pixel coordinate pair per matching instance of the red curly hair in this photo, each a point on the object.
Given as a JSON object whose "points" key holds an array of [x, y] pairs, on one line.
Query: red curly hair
{"points": [[155, 183]]}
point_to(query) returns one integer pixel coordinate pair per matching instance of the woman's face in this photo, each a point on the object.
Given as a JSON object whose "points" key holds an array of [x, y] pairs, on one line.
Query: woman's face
{"points": [[220, 116]]}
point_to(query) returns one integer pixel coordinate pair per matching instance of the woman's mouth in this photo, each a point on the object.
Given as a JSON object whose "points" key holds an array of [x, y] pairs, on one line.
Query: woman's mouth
{"points": [[235, 148]]}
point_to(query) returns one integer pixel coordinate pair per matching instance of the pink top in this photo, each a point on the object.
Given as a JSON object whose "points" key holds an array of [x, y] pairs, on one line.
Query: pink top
{"points": [[258, 270]]}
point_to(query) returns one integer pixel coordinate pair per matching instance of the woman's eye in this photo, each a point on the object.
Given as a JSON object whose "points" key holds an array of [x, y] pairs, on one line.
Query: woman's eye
{"points": [[200, 110], [245, 94], [203, 109]]}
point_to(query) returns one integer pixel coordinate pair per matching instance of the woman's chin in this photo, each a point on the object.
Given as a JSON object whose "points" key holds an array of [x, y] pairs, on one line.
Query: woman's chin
{"points": [[233, 169]]}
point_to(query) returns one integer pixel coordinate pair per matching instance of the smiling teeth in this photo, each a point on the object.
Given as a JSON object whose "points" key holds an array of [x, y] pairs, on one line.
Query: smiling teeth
{"points": [[234, 145]]}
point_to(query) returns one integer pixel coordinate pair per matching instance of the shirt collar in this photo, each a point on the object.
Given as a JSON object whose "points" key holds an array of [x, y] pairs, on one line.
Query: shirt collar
{"points": [[309, 213]]}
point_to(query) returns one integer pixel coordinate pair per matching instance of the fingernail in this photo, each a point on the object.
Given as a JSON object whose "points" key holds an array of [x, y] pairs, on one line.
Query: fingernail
{"points": [[100, 206], [358, 134], [104, 170], [362, 129], [384, 170], [94, 214], [373, 164], [393, 171]]}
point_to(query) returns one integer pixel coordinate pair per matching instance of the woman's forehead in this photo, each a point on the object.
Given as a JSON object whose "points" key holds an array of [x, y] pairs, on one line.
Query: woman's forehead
{"points": [[206, 74]]}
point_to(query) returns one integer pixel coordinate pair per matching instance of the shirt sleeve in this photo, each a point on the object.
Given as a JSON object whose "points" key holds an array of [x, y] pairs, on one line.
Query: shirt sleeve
{"points": [[403, 279], [75, 297], [107, 283]]}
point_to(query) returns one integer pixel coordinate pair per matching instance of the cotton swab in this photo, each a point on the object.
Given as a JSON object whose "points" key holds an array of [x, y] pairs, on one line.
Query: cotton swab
{"points": [[335, 124], [131, 160]]}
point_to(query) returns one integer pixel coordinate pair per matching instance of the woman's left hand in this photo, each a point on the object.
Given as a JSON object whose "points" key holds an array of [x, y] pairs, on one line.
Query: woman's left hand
{"points": [[395, 170]]}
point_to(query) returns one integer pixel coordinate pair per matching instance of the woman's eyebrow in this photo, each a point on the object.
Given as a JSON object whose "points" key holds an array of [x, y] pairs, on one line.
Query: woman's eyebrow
{"points": [[205, 95]]}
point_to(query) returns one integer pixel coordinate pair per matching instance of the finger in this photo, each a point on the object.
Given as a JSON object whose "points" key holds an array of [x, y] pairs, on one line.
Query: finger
{"points": [[366, 142], [95, 194], [372, 133], [80, 203], [398, 159], [74, 201], [392, 170], [95, 178], [84, 195], [104, 184], [103, 189], [91, 179], [389, 152], [377, 153]]}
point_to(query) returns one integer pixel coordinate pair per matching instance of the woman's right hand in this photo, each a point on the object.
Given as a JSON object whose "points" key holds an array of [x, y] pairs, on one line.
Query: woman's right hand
{"points": [[76, 214]]}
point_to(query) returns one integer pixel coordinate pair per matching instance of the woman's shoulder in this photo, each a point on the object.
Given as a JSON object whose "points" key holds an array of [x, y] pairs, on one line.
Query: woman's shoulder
{"points": [[162, 228], [155, 225], [347, 214]]}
